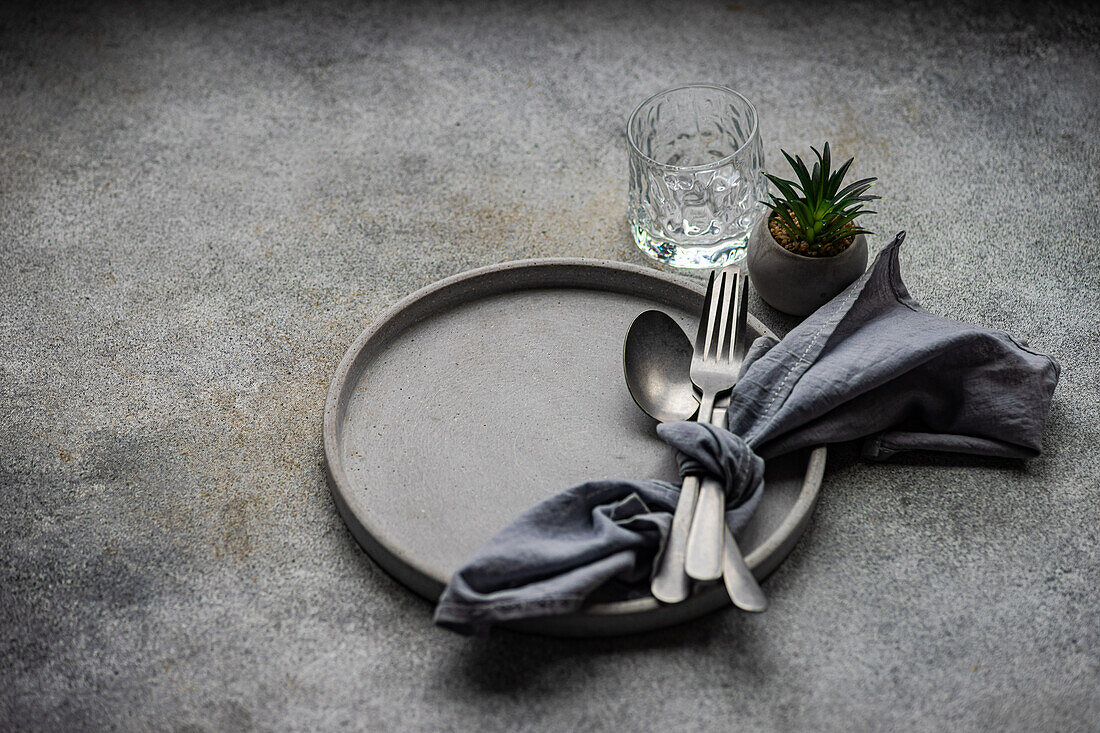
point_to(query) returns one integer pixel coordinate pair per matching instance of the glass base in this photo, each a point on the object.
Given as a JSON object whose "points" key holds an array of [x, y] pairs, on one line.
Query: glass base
{"points": [[691, 256]]}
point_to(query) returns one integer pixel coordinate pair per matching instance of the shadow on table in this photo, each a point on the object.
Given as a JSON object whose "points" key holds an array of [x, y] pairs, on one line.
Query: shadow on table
{"points": [[845, 455], [508, 661]]}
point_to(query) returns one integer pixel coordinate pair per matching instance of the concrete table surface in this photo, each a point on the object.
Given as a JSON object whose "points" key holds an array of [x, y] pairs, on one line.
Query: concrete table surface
{"points": [[201, 208]]}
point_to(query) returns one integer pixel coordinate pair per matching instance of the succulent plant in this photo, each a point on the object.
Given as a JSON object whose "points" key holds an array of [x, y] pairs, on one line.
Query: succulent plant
{"points": [[815, 209]]}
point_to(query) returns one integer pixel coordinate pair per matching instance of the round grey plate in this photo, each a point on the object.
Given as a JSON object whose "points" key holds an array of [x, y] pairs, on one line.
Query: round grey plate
{"points": [[485, 393]]}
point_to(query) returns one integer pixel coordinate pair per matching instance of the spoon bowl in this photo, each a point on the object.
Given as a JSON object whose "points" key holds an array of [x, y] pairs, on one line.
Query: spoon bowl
{"points": [[657, 363]]}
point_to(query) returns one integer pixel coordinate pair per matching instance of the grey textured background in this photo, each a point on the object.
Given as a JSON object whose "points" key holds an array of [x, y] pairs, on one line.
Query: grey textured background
{"points": [[201, 208]]}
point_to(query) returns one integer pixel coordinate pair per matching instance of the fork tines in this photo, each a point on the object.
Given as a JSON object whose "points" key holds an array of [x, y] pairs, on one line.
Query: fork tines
{"points": [[714, 339]]}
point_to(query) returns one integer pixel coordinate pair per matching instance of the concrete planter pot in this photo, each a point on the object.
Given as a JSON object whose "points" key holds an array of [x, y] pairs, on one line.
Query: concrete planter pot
{"points": [[797, 284]]}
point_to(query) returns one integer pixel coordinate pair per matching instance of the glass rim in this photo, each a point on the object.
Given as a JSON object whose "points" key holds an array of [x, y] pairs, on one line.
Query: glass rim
{"points": [[702, 166]]}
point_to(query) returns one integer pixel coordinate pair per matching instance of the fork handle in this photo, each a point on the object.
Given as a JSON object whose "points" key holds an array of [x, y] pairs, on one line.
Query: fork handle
{"points": [[703, 553], [703, 559]]}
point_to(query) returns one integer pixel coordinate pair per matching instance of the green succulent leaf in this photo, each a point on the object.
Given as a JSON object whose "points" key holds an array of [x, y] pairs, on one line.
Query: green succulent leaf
{"points": [[805, 217], [821, 172], [841, 221], [787, 188], [848, 202], [803, 175], [838, 176]]}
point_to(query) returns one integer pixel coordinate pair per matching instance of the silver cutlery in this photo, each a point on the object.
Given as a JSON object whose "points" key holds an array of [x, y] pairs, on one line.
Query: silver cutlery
{"points": [[656, 363], [699, 545]]}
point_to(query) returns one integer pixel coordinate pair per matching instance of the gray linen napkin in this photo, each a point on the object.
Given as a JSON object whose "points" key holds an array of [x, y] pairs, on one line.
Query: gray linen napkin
{"points": [[870, 363]]}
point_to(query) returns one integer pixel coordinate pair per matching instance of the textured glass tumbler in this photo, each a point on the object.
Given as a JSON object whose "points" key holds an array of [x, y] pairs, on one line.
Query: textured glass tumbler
{"points": [[696, 175]]}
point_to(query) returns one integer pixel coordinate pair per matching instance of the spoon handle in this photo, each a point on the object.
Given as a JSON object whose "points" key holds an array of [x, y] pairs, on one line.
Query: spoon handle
{"points": [[670, 583]]}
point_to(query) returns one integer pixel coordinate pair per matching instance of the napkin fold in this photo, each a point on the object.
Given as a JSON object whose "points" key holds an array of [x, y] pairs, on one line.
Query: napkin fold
{"points": [[870, 363]]}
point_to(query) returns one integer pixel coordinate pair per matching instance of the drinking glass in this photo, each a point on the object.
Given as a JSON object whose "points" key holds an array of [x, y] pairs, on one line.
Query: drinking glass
{"points": [[696, 175]]}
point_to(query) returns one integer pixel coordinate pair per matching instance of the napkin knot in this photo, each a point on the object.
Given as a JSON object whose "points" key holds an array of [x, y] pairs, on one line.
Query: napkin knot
{"points": [[708, 450]]}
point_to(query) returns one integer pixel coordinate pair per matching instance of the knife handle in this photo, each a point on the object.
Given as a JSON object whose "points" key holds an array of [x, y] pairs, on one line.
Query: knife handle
{"points": [[741, 585], [670, 583]]}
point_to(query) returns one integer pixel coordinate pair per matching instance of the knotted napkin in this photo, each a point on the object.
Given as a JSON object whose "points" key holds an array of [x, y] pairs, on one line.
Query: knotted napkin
{"points": [[870, 363]]}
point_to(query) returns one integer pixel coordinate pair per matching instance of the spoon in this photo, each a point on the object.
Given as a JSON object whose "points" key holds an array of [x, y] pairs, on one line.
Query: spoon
{"points": [[656, 361]]}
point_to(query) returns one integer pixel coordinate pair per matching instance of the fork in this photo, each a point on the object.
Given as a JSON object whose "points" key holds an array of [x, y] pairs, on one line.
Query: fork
{"points": [[711, 550]]}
